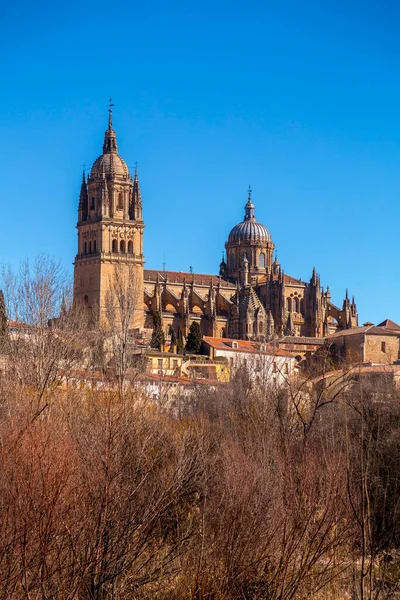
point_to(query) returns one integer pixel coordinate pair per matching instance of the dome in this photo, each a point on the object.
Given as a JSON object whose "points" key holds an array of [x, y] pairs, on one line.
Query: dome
{"points": [[109, 164], [249, 230]]}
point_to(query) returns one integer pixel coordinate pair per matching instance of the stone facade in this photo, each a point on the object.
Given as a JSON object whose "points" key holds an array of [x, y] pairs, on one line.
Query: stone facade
{"points": [[110, 229], [370, 343], [251, 298]]}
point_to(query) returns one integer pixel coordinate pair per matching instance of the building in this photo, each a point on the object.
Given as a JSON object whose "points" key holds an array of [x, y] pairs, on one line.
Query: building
{"points": [[251, 298], [368, 344], [265, 364]]}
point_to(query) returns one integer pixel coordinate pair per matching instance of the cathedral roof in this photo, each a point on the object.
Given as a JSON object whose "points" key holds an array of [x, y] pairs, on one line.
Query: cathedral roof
{"points": [[110, 162], [249, 230], [151, 275], [249, 301]]}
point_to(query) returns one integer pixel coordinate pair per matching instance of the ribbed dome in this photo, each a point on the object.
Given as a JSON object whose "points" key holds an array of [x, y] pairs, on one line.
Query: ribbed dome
{"points": [[109, 164], [249, 230]]}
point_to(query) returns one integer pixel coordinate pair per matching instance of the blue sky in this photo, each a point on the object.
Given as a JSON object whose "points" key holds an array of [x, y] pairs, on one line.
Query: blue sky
{"points": [[300, 100]]}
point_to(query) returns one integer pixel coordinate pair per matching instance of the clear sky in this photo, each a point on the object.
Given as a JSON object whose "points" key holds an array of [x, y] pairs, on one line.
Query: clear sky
{"points": [[299, 99]]}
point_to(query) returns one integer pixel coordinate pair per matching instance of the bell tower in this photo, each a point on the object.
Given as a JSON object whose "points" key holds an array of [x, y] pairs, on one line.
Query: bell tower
{"points": [[110, 229]]}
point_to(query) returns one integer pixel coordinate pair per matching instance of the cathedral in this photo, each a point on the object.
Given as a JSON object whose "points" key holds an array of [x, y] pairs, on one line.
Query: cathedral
{"points": [[251, 298]]}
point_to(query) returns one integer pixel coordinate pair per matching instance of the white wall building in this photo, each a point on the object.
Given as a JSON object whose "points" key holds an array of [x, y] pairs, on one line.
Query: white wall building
{"points": [[265, 364]]}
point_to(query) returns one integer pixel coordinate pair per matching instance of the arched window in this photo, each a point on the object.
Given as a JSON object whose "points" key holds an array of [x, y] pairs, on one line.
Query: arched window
{"points": [[90, 247], [122, 246], [130, 247], [261, 260], [289, 304], [260, 327], [86, 300], [297, 305], [114, 246], [93, 203], [120, 200], [232, 261], [302, 306], [94, 246], [85, 248]]}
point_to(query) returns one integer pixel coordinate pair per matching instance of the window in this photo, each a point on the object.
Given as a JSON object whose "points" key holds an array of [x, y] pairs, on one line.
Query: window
{"points": [[92, 205], [383, 346], [130, 247], [261, 260], [159, 363], [234, 344], [289, 304], [94, 246], [90, 247], [120, 201], [297, 305], [122, 246], [85, 248], [86, 300], [114, 246], [175, 363]]}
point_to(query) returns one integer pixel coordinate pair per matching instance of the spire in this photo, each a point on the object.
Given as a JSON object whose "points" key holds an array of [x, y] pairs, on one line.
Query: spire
{"points": [[110, 138], [222, 266], [135, 210], [83, 199], [289, 329], [249, 207]]}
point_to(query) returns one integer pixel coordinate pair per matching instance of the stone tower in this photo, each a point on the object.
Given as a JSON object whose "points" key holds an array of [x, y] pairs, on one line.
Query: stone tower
{"points": [[110, 230]]}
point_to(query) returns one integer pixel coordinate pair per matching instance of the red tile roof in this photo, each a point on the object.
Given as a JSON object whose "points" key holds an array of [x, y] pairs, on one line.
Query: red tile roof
{"points": [[150, 275], [388, 324], [179, 277], [366, 330], [244, 346]]}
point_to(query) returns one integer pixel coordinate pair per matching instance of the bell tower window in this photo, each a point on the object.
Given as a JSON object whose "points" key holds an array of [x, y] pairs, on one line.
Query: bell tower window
{"points": [[130, 247], [122, 246], [114, 246]]}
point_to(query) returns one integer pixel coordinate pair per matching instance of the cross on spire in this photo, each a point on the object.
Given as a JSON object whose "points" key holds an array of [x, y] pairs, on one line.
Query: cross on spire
{"points": [[110, 105]]}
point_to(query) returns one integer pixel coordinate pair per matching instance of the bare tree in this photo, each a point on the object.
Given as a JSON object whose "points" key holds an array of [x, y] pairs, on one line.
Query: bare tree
{"points": [[43, 343], [123, 304]]}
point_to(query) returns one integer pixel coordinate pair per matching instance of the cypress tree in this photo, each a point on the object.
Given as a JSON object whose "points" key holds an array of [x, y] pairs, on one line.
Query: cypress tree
{"points": [[157, 339], [179, 343], [194, 339], [173, 340]]}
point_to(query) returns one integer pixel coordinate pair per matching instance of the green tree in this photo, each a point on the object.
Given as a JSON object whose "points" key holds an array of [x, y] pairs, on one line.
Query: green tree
{"points": [[194, 339], [157, 339], [173, 340], [180, 343]]}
